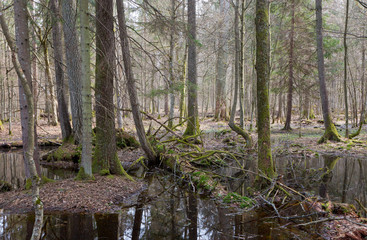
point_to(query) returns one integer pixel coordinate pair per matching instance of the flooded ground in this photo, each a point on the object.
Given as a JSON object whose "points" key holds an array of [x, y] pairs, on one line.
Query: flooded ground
{"points": [[167, 211]]}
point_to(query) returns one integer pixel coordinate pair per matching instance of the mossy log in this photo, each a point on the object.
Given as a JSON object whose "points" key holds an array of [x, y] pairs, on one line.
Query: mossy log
{"points": [[66, 152], [204, 181]]}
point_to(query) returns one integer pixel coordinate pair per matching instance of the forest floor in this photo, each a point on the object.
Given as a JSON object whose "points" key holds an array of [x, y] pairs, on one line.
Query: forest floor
{"points": [[217, 134]]}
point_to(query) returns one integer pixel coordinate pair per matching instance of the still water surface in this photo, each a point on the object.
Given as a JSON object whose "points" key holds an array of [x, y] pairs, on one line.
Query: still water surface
{"points": [[166, 211]]}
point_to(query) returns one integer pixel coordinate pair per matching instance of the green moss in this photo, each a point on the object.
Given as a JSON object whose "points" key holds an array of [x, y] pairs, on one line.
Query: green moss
{"points": [[104, 172], [83, 176], [66, 152], [123, 140], [1, 125], [28, 184], [242, 201], [110, 177], [45, 180], [330, 134]]}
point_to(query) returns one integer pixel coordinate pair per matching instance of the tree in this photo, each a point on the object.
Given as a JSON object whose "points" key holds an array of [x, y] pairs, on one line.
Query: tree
{"points": [[29, 129], [265, 161], [105, 155], [287, 125], [330, 131], [346, 70], [73, 66], [221, 64], [237, 62], [192, 105], [85, 171], [145, 144], [171, 55], [66, 131]]}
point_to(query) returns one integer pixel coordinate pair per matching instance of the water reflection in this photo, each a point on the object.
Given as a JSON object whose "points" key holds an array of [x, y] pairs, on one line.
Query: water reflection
{"points": [[341, 178], [167, 211], [12, 170]]}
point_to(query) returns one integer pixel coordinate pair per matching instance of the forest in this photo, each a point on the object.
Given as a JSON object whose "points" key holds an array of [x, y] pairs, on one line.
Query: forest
{"points": [[175, 119]]}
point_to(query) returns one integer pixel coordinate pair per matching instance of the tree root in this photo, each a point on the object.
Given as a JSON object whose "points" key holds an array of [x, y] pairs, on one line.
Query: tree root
{"points": [[241, 132]]}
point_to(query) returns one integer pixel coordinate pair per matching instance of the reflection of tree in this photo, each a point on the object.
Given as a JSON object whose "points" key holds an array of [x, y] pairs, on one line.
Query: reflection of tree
{"points": [[192, 216], [107, 226], [80, 227], [329, 164]]}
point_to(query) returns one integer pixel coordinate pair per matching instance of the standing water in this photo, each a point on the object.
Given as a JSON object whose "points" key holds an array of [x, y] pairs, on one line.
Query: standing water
{"points": [[167, 211]]}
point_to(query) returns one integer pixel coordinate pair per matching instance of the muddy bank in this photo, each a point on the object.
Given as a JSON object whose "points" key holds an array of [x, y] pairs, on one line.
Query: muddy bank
{"points": [[105, 194]]}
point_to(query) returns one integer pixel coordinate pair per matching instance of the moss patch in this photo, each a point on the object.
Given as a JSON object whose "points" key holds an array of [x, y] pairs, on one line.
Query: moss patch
{"points": [[123, 140], [66, 152]]}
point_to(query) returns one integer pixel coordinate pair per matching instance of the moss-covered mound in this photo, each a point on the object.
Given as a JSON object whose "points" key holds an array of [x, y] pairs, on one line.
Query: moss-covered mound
{"points": [[124, 139], [66, 152]]}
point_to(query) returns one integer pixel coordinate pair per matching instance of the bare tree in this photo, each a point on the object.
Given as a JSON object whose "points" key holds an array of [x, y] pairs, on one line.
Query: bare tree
{"points": [[59, 72], [145, 144], [330, 131], [29, 128]]}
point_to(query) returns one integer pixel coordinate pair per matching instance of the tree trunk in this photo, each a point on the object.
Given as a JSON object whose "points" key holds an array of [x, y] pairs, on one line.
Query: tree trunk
{"points": [[73, 66], [50, 86], [221, 64], [330, 131], [241, 67], [152, 156], [192, 105], [346, 71], [364, 95], [59, 72], [265, 161], [30, 140], [105, 155], [237, 63], [288, 120], [85, 171], [171, 55]]}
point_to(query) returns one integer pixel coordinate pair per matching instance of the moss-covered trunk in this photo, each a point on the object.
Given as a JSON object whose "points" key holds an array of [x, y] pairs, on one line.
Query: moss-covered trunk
{"points": [[105, 155], [330, 131], [265, 161], [192, 106]]}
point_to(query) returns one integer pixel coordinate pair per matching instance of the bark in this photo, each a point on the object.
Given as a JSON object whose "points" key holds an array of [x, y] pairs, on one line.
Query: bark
{"points": [[265, 161], [241, 67], [50, 85], [105, 155], [73, 66], [85, 171], [192, 105], [330, 131], [171, 55], [221, 64], [183, 87], [20, 13], [231, 123], [346, 71], [364, 95], [59, 72], [288, 120], [152, 156], [22, 43]]}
